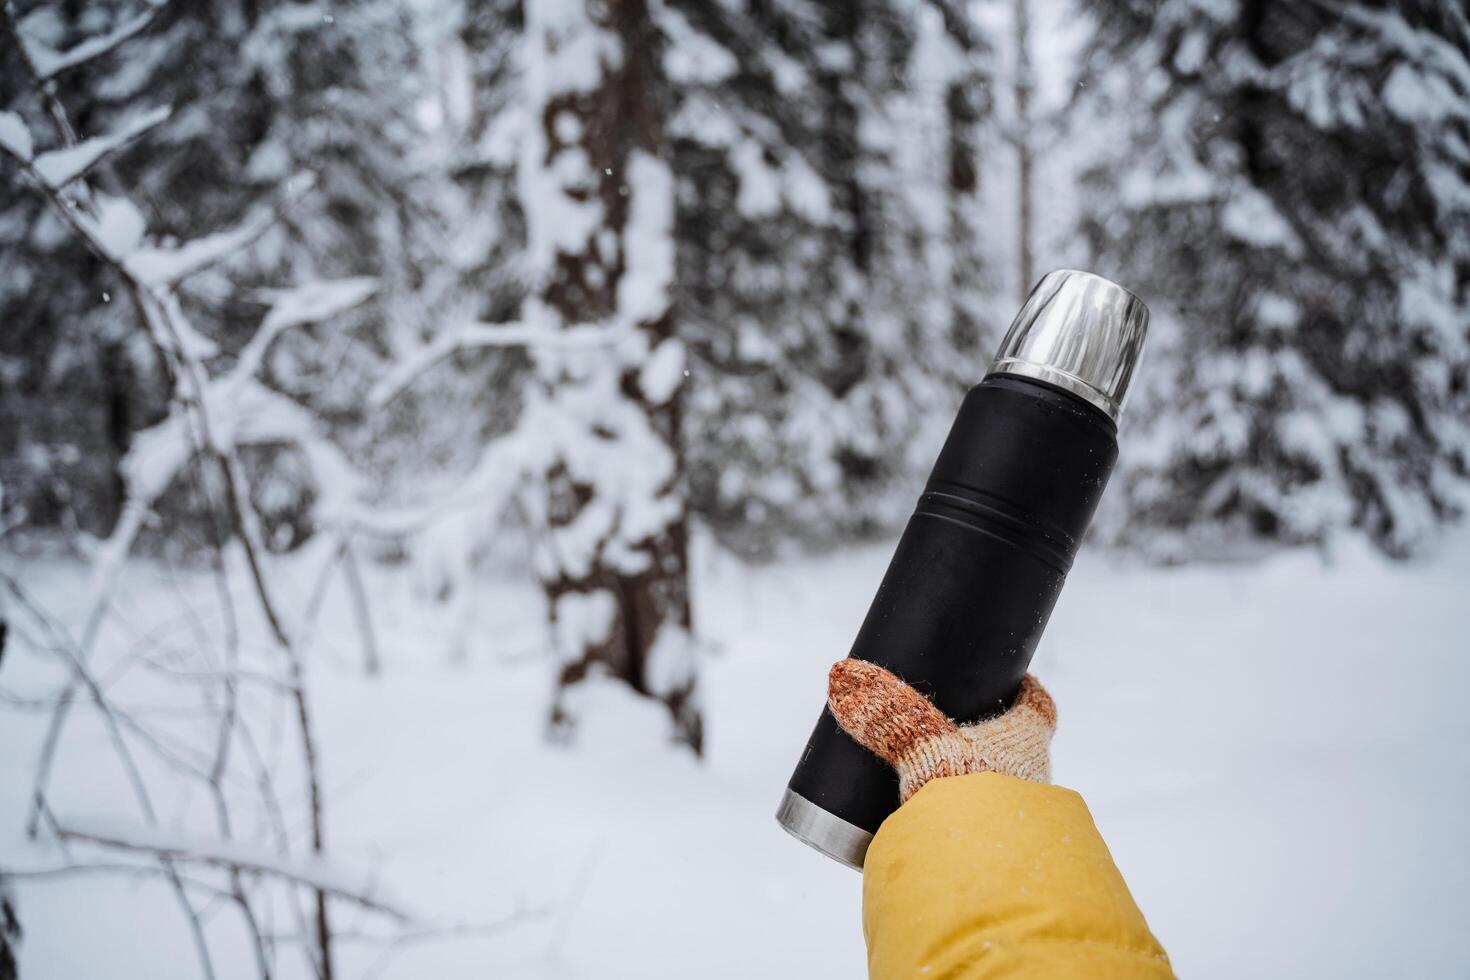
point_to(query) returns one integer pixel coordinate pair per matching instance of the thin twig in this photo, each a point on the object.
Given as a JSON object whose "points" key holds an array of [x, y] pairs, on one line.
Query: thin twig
{"points": [[397, 943], [372, 665], [113, 723], [317, 878]]}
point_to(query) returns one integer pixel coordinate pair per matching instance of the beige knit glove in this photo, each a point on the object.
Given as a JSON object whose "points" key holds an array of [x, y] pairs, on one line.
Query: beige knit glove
{"points": [[905, 730]]}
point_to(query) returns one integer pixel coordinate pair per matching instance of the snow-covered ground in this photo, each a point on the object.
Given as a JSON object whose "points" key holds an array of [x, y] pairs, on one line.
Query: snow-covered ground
{"points": [[1278, 754]]}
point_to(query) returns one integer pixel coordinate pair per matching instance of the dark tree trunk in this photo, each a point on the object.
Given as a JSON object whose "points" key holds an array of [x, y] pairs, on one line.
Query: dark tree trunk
{"points": [[645, 572], [9, 923]]}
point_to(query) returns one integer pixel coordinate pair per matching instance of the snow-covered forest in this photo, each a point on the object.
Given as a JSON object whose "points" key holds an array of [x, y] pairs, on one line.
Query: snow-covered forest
{"points": [[444, 443]]}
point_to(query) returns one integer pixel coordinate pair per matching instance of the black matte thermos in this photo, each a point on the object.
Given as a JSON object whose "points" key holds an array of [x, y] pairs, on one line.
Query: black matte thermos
{"points": [[982, 560]]}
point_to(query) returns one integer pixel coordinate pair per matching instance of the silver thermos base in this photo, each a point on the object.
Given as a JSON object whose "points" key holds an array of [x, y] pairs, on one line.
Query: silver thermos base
{"points": [[817, 828]]}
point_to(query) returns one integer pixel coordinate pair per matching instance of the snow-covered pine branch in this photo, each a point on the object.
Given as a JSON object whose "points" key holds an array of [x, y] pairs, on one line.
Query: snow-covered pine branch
{"points": [[157, 265], [48, 63], [57, 168], [244, 412], [114, 229], [15, 137]]}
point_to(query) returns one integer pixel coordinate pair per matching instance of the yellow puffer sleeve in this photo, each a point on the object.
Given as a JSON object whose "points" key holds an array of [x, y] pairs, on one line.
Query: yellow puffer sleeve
{"points": [[991, 876]]}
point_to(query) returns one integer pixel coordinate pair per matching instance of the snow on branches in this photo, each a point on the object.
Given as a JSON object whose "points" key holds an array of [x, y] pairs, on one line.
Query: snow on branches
{"points": [[218, 405]]}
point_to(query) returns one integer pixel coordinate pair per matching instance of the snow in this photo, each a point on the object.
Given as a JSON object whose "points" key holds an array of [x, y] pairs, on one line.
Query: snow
{"points": [[662, 372], [15, 136], [119, 227], [672, 660], [576, 50], [691, 57], [1250, 216], [556, 221], [806, 192], [1273, 752], [60, 167], [648, 241], [1274, 310], [583, 619], [764, 186], [565, 53], [937, 59], [760, 185], [155, 457], [1419, 99]]}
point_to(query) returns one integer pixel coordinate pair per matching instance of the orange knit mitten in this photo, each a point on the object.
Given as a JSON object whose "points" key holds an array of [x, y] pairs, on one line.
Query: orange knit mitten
{"points": [[904, 729]]}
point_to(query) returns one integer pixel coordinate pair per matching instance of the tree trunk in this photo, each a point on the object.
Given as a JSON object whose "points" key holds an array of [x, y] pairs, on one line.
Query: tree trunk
{"points": [[9, 923], [1025, 83], [965, 106], [599, 203]]}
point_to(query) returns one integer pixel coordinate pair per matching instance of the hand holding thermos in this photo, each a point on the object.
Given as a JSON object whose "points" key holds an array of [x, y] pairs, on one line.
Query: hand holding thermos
{"points": [[904, 729], [976, 574], [985, 870]]}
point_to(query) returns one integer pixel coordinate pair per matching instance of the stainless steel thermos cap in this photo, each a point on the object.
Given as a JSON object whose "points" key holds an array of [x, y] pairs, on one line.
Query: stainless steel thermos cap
{"points": [[1079, 332]]}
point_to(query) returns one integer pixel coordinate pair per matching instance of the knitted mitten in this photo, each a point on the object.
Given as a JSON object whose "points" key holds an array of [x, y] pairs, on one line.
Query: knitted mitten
{"points": [[905, 730]]}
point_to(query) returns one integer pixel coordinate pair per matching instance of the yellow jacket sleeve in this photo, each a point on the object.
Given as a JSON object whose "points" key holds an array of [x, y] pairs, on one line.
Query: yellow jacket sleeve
{"points": [[991, 876]]}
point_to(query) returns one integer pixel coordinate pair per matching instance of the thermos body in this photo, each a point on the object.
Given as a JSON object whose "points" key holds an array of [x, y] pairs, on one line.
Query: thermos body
{"points": [[978, 568]]}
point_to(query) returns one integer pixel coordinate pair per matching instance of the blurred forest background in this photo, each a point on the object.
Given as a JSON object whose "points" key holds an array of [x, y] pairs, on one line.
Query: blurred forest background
{"points": [[550, 289], [861, 195]]}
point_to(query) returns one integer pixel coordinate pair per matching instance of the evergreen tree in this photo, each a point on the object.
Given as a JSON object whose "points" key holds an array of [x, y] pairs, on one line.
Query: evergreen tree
{"points": [[828, 273], [1293, 197], [826, 278]]}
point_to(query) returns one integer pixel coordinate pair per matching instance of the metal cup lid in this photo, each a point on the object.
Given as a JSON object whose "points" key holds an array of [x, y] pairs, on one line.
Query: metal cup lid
{"points": [[1080, 332]]}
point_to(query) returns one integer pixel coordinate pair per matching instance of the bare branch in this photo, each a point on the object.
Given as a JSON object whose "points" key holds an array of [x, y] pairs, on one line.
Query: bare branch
{"points": [[372, 663], [395, 944], [110, 718], [76, 868], [313, 873], [113, 229], [472, 336], [226, 676]]}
